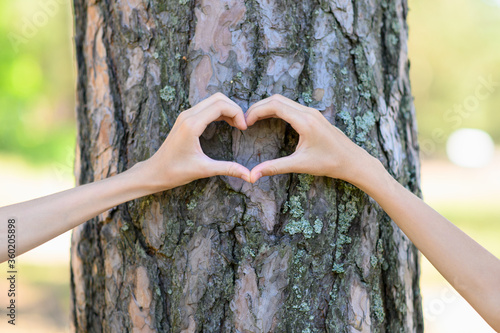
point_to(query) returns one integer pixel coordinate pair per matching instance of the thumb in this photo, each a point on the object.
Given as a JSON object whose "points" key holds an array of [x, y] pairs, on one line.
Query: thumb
{"points": [[233, 169], [277, 166]]}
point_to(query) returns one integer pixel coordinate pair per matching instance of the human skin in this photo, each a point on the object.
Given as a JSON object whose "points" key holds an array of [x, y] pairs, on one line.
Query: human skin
{"points": [[323, 150], [179, 161]]}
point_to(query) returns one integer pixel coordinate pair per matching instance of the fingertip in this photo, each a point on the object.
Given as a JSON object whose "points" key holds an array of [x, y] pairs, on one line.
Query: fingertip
{"points": [[249, 120], [245, 177], [255, 175], [242, 172], [242, 124], [258, 176]]}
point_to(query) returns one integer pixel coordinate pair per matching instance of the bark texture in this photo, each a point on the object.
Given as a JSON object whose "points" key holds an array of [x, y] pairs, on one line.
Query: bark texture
{"points": [[292, 253]]}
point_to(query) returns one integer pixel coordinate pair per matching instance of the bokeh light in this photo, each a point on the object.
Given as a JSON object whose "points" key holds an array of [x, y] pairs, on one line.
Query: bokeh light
{"points": [[470, 148]]}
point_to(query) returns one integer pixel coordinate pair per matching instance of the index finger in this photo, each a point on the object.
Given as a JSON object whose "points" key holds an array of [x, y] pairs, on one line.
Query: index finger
{"points": [[278, 97], [220, 110], [275, 108], [212, 99]]}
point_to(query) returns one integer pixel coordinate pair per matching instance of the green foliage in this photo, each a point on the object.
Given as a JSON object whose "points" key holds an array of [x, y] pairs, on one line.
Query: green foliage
{"points": [[37, 81], [447, 62]]}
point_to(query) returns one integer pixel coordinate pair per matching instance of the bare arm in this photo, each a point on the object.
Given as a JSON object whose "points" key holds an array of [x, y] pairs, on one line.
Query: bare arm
{"points": [[179, 161], [467, 266], [323, 150]]}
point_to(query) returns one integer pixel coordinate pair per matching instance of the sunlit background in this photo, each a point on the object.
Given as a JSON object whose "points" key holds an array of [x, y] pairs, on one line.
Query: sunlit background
{"points": [[455, 73]]}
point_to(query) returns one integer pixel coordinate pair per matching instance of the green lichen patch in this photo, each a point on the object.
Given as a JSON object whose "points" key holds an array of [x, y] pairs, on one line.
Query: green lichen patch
{"points": [[301, 301], [294, 207], [168, 93], [192, 204], [377, 304], [299, 226], [305, 181], [373, 261], [307, 97], [334, 293], [342, 240], [247, 252], [364, 124], [346, 117], [347, 211], [338, 268], [318, 226]]}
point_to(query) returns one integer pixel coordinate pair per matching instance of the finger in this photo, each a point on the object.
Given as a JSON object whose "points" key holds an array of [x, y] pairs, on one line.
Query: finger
{"points": [[227, 168], [220, 110], [278, 97], [275, 109], [224, 97], [277, 166], [214, 98], [231, 121]]}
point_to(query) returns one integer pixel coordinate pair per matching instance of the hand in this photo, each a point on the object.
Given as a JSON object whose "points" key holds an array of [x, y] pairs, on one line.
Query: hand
{"points": [[181, 160], [323, 150]]}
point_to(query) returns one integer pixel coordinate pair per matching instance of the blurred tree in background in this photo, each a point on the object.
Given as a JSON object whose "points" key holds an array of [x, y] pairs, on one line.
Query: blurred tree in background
{"points": [[37, 80], [453, 47]]}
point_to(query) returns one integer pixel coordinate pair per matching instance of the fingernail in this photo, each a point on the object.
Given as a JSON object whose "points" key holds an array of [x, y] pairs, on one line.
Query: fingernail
{"points": [[258, 176], [245, 178]]}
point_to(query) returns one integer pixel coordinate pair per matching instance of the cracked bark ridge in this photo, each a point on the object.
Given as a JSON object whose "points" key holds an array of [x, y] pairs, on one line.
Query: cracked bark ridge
{"points": [[293, 253]]}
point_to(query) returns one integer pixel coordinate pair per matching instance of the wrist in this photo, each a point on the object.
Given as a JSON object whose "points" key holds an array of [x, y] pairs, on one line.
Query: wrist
{"points": [[368, 174], [144, 177]]}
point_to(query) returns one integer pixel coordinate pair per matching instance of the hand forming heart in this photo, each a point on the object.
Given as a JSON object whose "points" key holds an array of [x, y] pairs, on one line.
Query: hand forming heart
{"points": [[322, 150]]}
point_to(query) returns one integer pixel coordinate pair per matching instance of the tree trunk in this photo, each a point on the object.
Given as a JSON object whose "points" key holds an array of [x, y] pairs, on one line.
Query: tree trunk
{"points": [[292, 253]]}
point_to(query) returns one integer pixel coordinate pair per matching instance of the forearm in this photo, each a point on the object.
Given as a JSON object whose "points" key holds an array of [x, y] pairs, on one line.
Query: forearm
{"points": [[179, 161], [471, 269], [42, 219]]}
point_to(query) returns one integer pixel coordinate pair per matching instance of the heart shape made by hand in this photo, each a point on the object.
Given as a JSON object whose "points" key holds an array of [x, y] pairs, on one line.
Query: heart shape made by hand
{"points": [[322, 150]]}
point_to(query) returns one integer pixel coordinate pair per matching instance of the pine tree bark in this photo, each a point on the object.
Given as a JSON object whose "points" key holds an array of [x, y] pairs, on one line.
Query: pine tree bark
{"points": [[292, 253]]}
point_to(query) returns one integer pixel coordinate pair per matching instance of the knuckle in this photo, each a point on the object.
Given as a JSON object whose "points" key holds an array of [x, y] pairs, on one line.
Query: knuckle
{"points": [[314, 112], [182, 116], [187, 125], [273, 170], [219, 96], [181, 119], [275, 104], [220, 103], [231, 170], [277, 97]]}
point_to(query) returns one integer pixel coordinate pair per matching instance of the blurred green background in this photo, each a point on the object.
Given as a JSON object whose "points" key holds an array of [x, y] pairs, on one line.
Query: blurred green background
{"points": [[453, 44], [37, 77], [453, 48]]}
